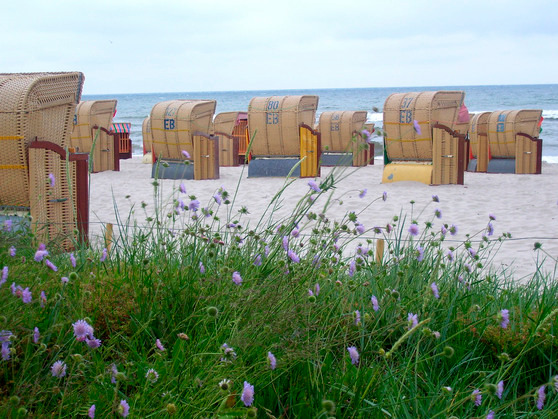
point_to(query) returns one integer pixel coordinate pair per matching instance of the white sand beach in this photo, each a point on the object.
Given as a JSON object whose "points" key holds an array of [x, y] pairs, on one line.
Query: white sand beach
{"points": [[524, 205]]}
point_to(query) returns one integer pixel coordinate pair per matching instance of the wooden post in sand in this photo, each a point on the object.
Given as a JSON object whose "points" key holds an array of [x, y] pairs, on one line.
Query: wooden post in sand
{"points": [[380, 250], [108, 237]]}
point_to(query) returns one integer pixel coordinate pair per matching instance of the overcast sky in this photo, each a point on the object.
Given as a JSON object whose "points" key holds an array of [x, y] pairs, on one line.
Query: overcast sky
{"points": [[204, 45]]}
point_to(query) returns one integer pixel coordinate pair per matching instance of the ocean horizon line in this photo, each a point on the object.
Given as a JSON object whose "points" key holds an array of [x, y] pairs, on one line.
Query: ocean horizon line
{"points": [[324, 88]]}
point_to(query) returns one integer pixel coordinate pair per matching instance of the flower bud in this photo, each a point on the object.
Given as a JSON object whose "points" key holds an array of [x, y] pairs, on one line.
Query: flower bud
{"points": [[448, 351], [328, 405], [171, 409]]}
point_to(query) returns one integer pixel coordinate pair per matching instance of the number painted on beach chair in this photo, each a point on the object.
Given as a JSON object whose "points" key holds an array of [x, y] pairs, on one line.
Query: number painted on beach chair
{"points": [[272, 105], [272, 118], [406, 102], [169, 124], [405, 116]]}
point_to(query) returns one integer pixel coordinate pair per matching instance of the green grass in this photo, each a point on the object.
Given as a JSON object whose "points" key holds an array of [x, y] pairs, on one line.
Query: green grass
{"points": [[151, 287]]}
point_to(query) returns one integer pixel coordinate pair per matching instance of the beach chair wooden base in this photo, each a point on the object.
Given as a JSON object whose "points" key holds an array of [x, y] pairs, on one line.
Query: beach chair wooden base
{"points": [[408, 171], [172, 169], [274, 167], [337, 159], [501, 166]]}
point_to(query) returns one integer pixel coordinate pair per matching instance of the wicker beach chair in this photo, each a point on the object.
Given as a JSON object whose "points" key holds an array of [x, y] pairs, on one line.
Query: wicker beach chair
{"points": [[36, 111], [92, 133], [421, 143], [283, 132], [342, 141]]}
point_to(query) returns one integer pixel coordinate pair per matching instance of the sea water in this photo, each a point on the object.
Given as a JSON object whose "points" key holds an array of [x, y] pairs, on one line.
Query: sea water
{"points": [[134, 108]]}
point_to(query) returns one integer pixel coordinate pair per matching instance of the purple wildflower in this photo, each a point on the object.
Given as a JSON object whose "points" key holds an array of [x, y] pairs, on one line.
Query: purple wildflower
{"points": [[453, 229], [40, 254], [357, 317], [352, 268], [310, 293], [314, 186], [217, 199], [366, 135], [266, 250], [450, 255], [477, 397], [124, 407], [26, 296], [43, 299], [362, 193], [8, 225], [438, 213], [416, 126], [295, 232], [104, 255], [247, 394], [490, 229], [434, 288], [413, 320], [541, 397], [36, 335], [202, 268], [443, 230], [51, 265], [472, 252], [353, 353], [91, 412], [65, 279], [12, 251], [72, 260], [285, 243], [375, 305], [194, 205], [82, 330], [317, 289], [58, 369], [413, 230], [4, 275], [52, 180], [420, 253], [505, 318], [360, 228], [293, 256], [272, 360], [185, 154], [236, 278], [152, 375], [113, 373], [492, 217], [491, 415], [182, 188], [389, 228], [258, 260], [93, 342], [13, 288], [6, 351], [159, 345], [435, 198], [500, 389], [384, 196]]}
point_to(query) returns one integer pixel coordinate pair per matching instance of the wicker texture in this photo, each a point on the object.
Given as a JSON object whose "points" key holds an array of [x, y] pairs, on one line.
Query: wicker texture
{"points": [[503, 127], [53, 208], [275, 121], [88, 114], [32, 106], [174, 122], [403, 142], [337, 129], [225, 122], [146, 135]]}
